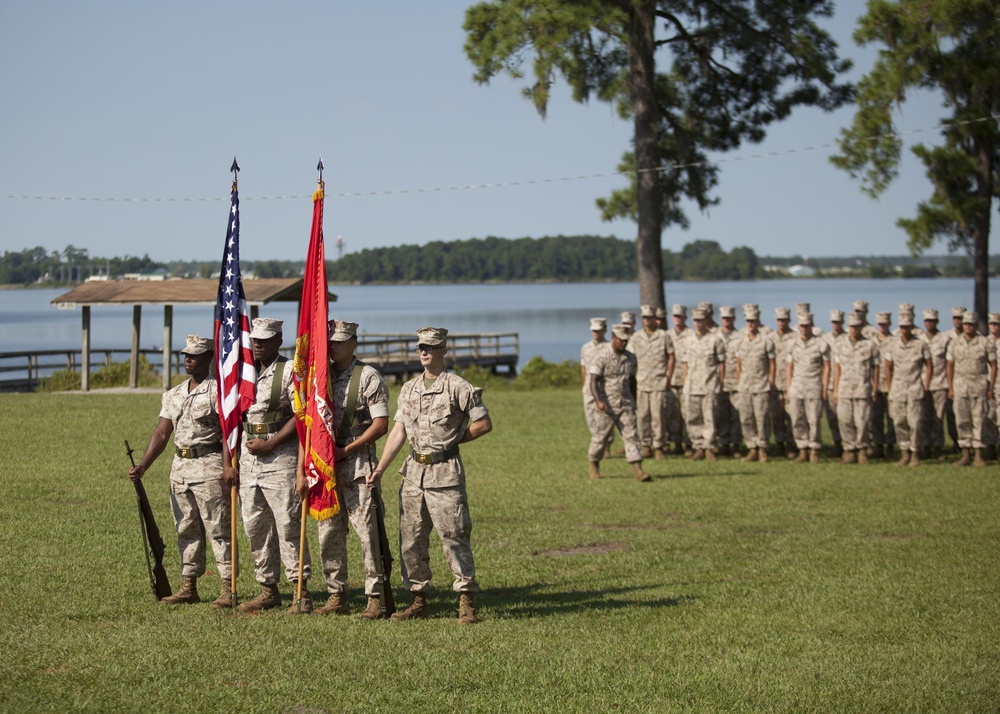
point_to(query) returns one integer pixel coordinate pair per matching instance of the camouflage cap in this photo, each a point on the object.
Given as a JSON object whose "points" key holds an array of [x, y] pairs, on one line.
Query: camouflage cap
{"points": [[598, 324], [628, 318], [751, 312], [699, 313], [432, 336], [264, 328], [836, 315], [661, 313], [782, 313], [931, 314], [647, 311], [708, 307], [679, 311], [969, 317], [905, 319], [195, 345], [854, 320], [883, 318], [341, 331], [993, 318], [959, 311], [906, 307], [727, 311], [622, 332], [861, 306], [802, 307], [804, 318]]}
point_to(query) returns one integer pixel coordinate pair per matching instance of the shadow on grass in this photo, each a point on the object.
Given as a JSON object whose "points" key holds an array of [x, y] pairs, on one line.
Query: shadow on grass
{"points": [[540, 600]]}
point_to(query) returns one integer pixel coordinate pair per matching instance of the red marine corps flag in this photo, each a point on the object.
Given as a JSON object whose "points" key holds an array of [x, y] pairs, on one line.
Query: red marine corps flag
{"points": [[313, 410]]}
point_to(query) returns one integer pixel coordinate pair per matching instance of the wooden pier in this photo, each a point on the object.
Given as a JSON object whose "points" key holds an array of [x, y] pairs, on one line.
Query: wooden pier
{"points": [[393, 355]]}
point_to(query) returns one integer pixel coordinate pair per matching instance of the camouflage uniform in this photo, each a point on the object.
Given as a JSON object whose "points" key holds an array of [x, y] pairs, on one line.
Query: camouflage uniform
{"points": [[272, 510], [907, 394], [807, 389], [676, 421], [782, 425], [702, 355], [617, 369], [829, 408], [587, 354], [883, 432], [857, 360], [198, 500], [755, 356], [652, 351], [937, 399], [436, 414], [353, 494], [727, 414], [971, 361]]}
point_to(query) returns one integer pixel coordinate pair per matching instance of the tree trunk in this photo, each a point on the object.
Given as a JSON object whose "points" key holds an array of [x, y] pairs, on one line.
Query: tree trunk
{"points": [[649, 198], [981, 234]]}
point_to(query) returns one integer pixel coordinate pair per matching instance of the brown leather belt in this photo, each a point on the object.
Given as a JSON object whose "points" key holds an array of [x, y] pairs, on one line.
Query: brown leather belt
{"points": [[196, 452], [435, 457]]}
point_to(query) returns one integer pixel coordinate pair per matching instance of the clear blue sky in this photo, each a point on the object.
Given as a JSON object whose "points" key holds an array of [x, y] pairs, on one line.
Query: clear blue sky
{"points": [[136, 100]]}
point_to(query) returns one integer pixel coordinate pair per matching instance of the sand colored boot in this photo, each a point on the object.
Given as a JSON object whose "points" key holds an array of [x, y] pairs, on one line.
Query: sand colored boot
{"points": [[698, 455], [709, 454], [802, 457], [914, 459], [466, 609], [187, 595], [966, 458], [904, 459], [752, 455], [647, 452], [977, 459], [373, 611], [862, 456], [336, 604], [306, 605], [849, 457], [595, 469], [225, 599], [813, 456], [638, 474], [266, 599], [762, 454], [659, 454], [416, 610]]}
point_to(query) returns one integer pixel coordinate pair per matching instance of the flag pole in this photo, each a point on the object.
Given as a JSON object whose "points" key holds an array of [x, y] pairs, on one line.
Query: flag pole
{"points": [[233, 490]]}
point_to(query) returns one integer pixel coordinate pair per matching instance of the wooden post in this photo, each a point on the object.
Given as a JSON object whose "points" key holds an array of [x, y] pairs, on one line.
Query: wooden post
{"points": [[254, 312], [85, 357], [168, 336], [133, 367]]}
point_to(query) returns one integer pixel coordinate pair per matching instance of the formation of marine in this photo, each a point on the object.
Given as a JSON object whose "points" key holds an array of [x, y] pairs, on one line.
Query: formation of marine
{"points": [[757, 392]]}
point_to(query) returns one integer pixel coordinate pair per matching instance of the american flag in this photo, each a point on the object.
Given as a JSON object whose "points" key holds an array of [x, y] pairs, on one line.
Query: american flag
{"points": [[234, 358]]}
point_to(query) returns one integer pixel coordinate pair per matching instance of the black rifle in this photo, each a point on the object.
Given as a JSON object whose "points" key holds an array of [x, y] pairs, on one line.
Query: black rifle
{"points": [[152, 543], [388, 602]]}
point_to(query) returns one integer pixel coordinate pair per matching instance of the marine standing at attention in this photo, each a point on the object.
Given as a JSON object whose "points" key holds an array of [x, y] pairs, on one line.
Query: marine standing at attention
{"points": [[200, 504], [436, 412]]}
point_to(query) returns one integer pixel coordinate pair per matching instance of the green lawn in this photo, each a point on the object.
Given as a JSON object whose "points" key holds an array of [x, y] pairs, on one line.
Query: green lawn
{"points": [[717, 587]]}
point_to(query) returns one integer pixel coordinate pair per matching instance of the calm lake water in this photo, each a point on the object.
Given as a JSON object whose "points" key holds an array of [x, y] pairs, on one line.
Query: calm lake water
{"points": [[551, 319]]}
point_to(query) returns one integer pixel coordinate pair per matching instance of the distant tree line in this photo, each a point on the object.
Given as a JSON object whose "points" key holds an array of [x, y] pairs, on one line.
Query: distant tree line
{"points": [[71, 265]]}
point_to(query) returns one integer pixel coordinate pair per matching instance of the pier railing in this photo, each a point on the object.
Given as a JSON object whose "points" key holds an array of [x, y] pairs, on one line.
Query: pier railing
{"points": [[392, 354]]}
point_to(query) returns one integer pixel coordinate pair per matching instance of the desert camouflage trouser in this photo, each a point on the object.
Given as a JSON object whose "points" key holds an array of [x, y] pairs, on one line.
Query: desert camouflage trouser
{"points": [[651, 412], [755, 417], [970, 414], [446, 510], [805, 413], [603, 427], [272, 513], [935, 419], [201, 511], [358, 506], [907, 418], [855, 416], [727, 419], [700, 412]]}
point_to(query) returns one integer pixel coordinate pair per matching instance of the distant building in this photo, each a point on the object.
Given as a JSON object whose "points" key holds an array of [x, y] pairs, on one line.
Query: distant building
{"points": [[801, 271]]}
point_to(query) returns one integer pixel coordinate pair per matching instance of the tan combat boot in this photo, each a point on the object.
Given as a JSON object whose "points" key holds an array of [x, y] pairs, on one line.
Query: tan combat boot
{"points": [[752, 455], [698, 455], [306, 605], [659, 455], [709, 454], [373, 611], [595, 469], [849, 457], [336, 604], [965, 460], [914, 459], [267, 598], [225, 598], [418, 609], [762, 454], [647, 452], [862, 456], [187, 595], [638, 474], [813, 456], [904, 458], [978, 460], [467, 609], [802, 457]]}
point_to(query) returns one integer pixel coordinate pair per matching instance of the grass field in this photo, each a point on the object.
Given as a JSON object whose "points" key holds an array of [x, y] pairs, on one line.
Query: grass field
{"points": [[717, 587]]}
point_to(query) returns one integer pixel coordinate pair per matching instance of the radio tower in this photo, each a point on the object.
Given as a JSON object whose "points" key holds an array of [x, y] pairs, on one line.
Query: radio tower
{"points": [[340, 246]]}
